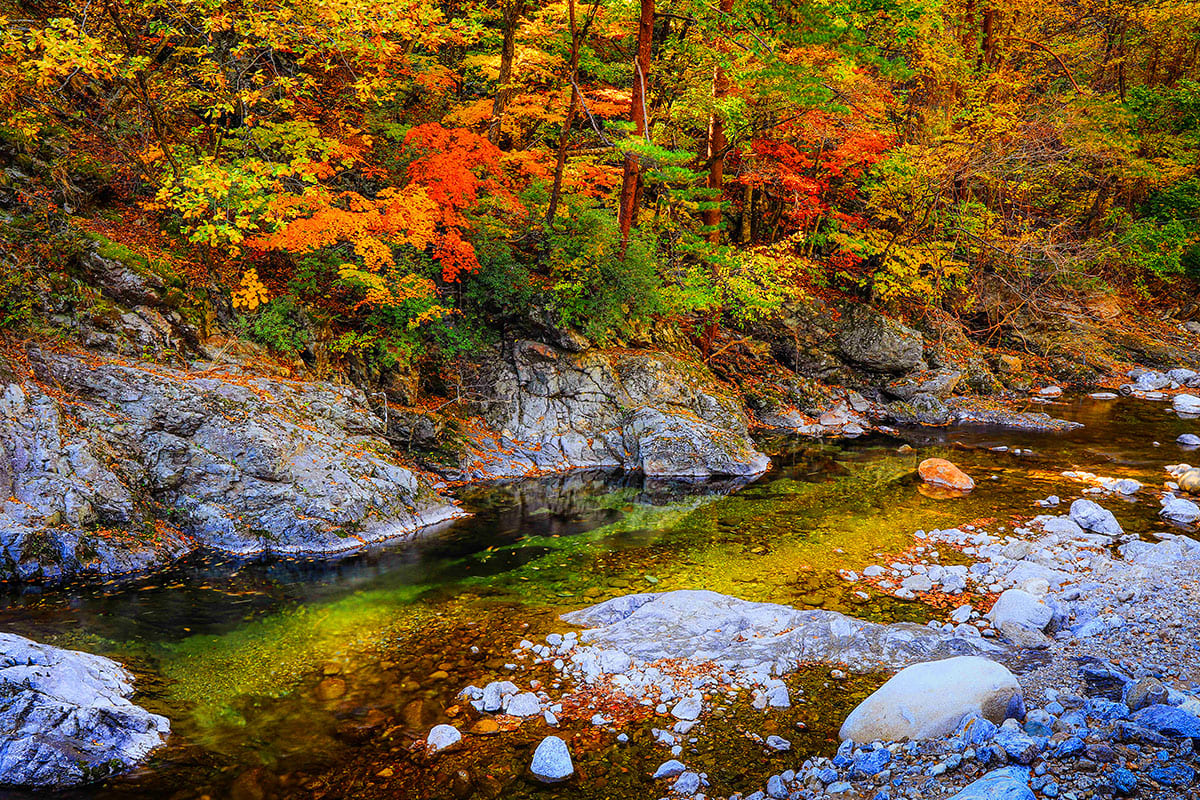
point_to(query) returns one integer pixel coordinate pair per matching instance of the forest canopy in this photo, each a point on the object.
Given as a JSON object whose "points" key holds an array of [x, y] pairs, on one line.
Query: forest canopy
{"points": [[412, 178]]}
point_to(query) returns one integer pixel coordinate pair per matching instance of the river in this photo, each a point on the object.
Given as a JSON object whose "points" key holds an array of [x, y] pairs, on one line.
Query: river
{"points": [[312, 677]]}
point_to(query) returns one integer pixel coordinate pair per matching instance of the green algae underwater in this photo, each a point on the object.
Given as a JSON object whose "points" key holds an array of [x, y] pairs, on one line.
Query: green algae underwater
{"points": [[312, 678]]}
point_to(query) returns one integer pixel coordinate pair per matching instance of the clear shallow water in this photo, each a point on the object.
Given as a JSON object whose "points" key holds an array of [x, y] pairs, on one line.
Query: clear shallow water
{"points": [[310, 678]]}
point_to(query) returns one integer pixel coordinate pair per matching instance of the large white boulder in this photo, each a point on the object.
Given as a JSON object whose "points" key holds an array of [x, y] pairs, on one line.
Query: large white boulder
{"points": [[927, 701], [66, 717]]}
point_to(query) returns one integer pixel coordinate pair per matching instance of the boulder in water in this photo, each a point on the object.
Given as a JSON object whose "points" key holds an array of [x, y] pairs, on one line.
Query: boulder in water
{"points": [[1094, 517], [66, 718], [941, 472], [1186, 404], [1180, 511], [1189, 480], [552, 761]]}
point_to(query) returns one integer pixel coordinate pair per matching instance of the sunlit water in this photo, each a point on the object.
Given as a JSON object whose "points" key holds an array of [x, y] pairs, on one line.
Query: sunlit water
{"points": [[312, 678]]}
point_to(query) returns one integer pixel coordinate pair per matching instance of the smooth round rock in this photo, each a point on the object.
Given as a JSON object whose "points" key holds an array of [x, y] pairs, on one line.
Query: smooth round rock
{"points": [[442, 737], [927, 700], [552, 761], [941, 472], [1189, 481]]}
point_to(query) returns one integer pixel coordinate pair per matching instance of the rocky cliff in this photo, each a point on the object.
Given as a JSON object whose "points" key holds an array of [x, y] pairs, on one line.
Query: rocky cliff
{"points": [[110, 466], [545, 408]]}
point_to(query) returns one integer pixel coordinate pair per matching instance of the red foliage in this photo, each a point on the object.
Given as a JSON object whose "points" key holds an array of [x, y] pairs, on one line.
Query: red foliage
{"points": [[813, 167]]}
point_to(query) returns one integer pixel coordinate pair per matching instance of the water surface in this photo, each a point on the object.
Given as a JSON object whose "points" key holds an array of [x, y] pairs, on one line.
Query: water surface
{"points": [[312, 677]]}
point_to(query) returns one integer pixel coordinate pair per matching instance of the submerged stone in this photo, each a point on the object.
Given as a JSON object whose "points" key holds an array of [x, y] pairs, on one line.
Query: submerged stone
{"points": [[941, 472], [552, 761]]}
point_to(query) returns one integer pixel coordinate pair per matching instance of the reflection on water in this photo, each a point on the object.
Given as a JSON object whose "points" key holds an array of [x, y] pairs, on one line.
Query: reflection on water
{"points": [[302, 677]]}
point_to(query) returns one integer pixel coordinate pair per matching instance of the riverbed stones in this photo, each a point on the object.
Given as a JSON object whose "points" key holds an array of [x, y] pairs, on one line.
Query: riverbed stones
{"points": [[442, 737], [928, 700], [1091, 516], [1179, 511], [940, 472], [1188, 440], [66, 718], [1007, 783], [552, 761]]}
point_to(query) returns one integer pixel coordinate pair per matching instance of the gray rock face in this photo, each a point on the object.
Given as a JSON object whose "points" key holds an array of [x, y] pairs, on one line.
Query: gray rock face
{"points": [[877, 343], [236, 463], [934, 382], [552, 410], [66, 718], [707, 626]]}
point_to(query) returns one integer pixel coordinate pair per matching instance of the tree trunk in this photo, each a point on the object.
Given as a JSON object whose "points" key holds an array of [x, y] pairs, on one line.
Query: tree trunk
{"points": [[637, 114], [512, 16], [560, 160], [717, 141], [987, 52]]}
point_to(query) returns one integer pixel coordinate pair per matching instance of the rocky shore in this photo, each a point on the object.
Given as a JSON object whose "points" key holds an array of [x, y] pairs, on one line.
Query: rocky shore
{"points": [[66, 717], [1067, 665]]}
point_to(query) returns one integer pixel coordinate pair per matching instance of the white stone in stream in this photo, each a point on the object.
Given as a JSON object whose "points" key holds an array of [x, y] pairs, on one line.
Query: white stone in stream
{"points": [[1126, 486], [552, 761], [962, 613], [1180, 511], [495, 693], [1094, 517], [927, 701], [873, 571], [1018, 609], [442, 737], [688, 708], [1186, 404], [669, 769], [917, 583], [524, 705], [1188, 440]]}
